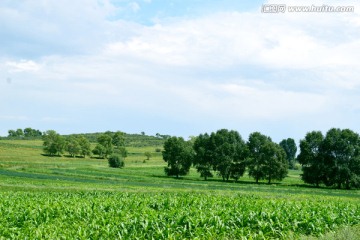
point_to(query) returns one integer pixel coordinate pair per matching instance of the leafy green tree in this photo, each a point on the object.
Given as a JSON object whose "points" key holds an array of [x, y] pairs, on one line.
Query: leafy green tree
{"points": [[53, 143], [118, 139], [257, 155], [72, 146], [104, 147], [229, 153], [116, 161], [99, 150], [290, 149], [311, 158], [178, 154], [85, 147], [12, 133], [276, 165], [19, 132], [29, 132], [341, 151], [203, 160]]}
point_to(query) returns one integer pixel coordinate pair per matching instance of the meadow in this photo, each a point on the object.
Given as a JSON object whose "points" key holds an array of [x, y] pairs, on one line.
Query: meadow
{"points": [[83, 198]]}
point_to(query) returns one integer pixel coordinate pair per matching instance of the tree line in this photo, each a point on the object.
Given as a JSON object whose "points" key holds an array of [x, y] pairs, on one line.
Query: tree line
{"points": [[24, 133], [225, 152], [109, 145], [332, 160]]}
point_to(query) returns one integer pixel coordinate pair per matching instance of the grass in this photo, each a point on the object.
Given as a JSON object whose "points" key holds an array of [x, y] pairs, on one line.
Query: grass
{"points": [[23, 169]]}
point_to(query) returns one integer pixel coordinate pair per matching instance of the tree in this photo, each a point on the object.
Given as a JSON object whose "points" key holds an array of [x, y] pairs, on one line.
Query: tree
{"points": [[104, 147], [118, 139], [267, 159], [19, 132], [229, 153], [116, 161], [178, 154], [53, 143], [72, 146], [256, 161], [148, 155], [341, 152], [290, 149], [202, 156], [12, 133], [311, 158], [85, 147], [276, 165], [99, 150]]}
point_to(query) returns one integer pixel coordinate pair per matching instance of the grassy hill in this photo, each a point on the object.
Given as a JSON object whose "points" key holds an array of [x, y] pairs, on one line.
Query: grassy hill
{"points": [[70, 190]]}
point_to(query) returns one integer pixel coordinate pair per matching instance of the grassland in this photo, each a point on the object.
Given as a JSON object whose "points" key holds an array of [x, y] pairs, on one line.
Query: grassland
{"points": [[61, 197]]}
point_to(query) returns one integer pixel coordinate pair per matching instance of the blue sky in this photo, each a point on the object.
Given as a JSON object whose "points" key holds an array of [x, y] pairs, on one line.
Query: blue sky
{"points": [[178, 67]]}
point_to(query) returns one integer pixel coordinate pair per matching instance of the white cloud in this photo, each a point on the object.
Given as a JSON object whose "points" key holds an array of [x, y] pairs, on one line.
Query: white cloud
{"points": [[221, 67], [23, 66]]}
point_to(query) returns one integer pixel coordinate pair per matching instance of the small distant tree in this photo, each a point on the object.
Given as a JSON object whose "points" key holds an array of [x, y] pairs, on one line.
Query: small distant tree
{"points": [[72, 146], [104, 147], [19, 132], [85, 147], [290, 149], [178, 154], [118, 139], [116, 161], [12, 133], [148, 155], [99, 150]]}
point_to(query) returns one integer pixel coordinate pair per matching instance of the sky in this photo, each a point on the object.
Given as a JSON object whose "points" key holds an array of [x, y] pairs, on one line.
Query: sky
{"points": [[178, 67]]}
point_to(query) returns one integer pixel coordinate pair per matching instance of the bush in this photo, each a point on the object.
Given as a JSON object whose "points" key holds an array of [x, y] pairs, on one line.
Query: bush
{"points": [[116, 161]]}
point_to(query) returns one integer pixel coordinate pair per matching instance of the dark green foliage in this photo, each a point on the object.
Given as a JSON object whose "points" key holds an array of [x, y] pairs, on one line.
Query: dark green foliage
{"points": [[311, 159], [179, 155], [223, 151], [118, 139], [26, 133], [203, 160], [116, 161], [275, 164], [341, 150], [290, 149], [104, 147], [257, 157], [53, 143], [85, 147], [333, 160], [229, 153], [72, 146], [267, 159]]}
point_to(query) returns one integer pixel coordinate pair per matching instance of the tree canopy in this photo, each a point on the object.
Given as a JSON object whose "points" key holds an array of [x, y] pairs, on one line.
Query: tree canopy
{"points": [[179, 155]]}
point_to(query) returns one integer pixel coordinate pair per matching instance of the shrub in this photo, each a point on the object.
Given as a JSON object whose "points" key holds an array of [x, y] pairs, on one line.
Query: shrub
{"points": [[116, 161]]}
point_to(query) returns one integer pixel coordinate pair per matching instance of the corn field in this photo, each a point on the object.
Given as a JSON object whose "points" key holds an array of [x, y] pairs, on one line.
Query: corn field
{"points": [[184, 215]]}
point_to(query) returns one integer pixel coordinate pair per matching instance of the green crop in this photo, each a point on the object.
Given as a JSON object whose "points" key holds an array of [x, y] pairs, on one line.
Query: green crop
{"points": [[108, 215]]}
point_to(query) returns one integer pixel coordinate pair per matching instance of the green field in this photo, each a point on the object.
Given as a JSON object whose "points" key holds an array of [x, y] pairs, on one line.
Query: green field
{"points": [[82, 198]]}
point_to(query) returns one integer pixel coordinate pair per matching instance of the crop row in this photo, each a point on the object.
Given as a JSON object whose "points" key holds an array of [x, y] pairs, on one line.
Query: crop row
{"points": [[107, 215]]}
